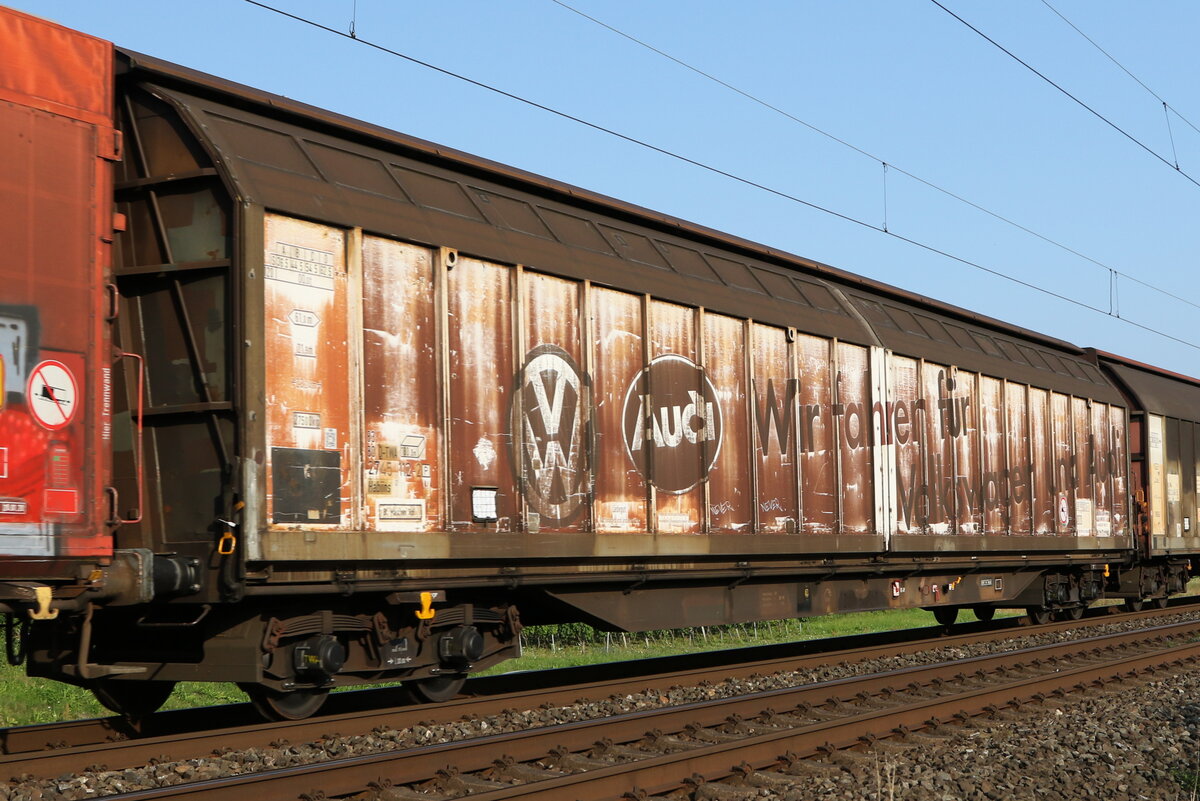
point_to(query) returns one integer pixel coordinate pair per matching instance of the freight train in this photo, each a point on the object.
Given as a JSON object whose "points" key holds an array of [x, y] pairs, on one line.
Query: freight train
{"points": [[297, 402]]}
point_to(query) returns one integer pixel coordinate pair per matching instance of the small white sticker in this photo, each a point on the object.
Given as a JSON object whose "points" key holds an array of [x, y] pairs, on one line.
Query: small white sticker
{"points": [[1173, 488], [306, 420], [13, 506], [304, 318], [483, 504], [1083, 517], [331, 439], [674, 522], [397, 511], [412, 446]]}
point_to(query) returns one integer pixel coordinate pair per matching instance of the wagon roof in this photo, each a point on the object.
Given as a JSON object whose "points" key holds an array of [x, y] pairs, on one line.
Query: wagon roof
{"points": [[771, 285]]}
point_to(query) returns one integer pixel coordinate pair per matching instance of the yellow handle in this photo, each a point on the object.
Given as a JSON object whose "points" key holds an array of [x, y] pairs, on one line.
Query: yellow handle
{"points": [[226, 544], [42, 596], [426, 612]]}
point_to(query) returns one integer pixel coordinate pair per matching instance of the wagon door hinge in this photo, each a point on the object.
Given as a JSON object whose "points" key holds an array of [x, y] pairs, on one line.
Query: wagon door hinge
{"points": [[110, 145]]}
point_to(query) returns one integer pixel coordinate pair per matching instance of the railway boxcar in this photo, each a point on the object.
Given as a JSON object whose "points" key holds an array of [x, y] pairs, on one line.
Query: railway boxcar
{"points": [[1164, 441], [398, 399], [57, 148]]}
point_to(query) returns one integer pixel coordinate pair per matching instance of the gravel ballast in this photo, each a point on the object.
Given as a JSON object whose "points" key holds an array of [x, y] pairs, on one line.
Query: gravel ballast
{"points": [[1139, 739]]}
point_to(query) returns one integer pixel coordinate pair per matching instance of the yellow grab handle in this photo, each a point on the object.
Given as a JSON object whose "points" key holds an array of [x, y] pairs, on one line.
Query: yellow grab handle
{"points": [[426, 612]]}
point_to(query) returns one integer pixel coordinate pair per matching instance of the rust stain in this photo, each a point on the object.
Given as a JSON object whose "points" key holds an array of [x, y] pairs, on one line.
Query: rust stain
{"points": [[776, 393], [818, 460], [308, 403], [401, 414], [620, 490], [853, 412], [481, 370], [729, 491], [551, 422]]}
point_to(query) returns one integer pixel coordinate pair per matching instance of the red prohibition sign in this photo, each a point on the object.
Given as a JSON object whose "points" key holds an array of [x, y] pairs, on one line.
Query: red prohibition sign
{"points": [[52, 394]]}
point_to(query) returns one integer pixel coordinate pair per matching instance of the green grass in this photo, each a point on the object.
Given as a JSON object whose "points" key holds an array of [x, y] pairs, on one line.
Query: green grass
{"points": [[584, 646], [33, 700], [1188, 780]]}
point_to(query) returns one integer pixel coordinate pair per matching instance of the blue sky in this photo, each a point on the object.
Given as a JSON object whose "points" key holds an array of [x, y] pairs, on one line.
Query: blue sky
{"points": [[901, 79]]}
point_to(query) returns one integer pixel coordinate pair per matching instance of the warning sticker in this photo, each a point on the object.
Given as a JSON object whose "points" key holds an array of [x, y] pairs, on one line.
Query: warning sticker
{"points": [[1083, 517], [52, 394]]}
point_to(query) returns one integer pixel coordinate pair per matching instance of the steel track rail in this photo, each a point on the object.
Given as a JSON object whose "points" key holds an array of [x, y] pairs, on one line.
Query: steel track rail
{"points": [[411, 766]]}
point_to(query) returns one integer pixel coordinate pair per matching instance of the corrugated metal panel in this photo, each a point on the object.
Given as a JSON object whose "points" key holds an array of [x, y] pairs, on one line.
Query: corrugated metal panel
{"points": [[818, 459], [775, 394], [308, 173], [402, 416], [912, 331], [852, 414], [1159, 393], [552, 408], [995, 466], [904, 434], [730, 495], [1019, 489], [308, 362], [678, 455], [618, 343], [483, 494]]}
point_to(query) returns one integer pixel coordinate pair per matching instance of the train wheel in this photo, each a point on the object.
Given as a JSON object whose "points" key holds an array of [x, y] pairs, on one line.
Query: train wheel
{"points": [[294, 705], [1159, 603], [436, 689], [984, 613], [1074, 613], [945, 615], [1038, 614], [133, 699], [1133, 604]]}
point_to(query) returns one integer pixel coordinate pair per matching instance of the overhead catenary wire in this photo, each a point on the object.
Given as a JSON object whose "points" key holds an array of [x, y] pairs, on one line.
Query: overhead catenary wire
{"points": [[887, 165], [1082, 104], [714, 170], [1123, 68]]}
